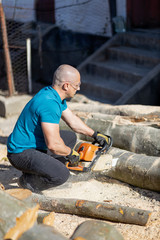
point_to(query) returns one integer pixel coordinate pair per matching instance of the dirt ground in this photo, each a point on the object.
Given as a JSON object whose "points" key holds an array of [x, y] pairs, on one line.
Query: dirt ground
{"points": [[112, 191]]}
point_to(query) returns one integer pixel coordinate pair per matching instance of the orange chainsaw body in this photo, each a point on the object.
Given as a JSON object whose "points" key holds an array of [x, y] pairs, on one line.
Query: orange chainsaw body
{"points": [[87, 151], [89, 154]]}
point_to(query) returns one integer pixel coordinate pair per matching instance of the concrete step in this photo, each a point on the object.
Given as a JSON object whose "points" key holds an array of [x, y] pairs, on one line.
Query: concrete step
{"points": [[104, 82], [141, 40], [132, 55], [120, 72], [96, 90]]}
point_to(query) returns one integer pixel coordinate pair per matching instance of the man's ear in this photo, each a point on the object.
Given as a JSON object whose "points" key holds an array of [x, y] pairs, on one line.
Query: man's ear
{"points": [[65, 86]]}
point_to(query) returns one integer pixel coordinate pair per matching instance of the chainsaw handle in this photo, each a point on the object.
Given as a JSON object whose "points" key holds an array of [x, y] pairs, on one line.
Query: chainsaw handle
{"points": [[106, 146]]}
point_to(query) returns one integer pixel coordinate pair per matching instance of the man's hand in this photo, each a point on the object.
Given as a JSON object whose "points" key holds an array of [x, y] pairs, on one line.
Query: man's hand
{"points": [[100, 138], [73, 158]]}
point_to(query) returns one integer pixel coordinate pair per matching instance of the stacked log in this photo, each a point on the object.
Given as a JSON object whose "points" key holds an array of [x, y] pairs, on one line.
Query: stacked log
{"points": [[42, 232], [128, 117], [139, 135], [136, 140], [100, 210], [136, 169], [16, 216], [94, 230], [121, 110], [19, 218]]}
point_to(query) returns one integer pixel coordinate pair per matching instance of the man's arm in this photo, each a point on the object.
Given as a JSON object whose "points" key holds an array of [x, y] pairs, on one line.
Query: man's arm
{"points": [[53, 140], [76, 124]]}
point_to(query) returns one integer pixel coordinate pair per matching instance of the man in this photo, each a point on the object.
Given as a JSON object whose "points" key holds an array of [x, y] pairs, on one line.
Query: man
{"points": [[37, 129]]}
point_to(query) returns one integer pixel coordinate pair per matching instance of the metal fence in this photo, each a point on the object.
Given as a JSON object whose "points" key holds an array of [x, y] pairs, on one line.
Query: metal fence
{"points": [[52, 43], [14, 72]]}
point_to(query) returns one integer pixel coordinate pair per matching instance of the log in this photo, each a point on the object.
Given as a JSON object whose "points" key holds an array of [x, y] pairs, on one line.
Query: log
{"points": [[100, 210], [139, 135], [16, 216], [2, 187], [19, 193], [19, 218], [122, 110], [95, 230], [136, 169], [42, 232]]}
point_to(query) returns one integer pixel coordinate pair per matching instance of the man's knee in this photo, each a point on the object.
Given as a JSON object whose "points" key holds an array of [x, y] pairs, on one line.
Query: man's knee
{"points": [[61, 178]]}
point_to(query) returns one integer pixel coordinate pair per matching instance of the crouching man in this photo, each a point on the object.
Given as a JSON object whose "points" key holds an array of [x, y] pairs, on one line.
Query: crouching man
{"points": [[37, 129]]}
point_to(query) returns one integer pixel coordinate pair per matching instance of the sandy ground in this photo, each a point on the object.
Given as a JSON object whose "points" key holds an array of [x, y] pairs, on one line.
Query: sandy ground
{"points": [[111, 191]]}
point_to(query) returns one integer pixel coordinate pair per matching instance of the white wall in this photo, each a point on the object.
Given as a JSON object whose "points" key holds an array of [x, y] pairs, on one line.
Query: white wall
{"points": [[20, 10], [86, 16]]}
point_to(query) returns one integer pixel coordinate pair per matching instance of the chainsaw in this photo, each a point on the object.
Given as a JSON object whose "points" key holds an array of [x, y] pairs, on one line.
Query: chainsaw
{"points": [[90, 153]]}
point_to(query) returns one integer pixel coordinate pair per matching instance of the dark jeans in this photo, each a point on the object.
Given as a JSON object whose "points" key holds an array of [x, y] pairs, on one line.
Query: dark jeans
{"points": [[43, 168]]}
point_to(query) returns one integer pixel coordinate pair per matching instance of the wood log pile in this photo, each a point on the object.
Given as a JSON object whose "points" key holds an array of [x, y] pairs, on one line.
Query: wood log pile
{"points": [[135, 131], [19, 219]]}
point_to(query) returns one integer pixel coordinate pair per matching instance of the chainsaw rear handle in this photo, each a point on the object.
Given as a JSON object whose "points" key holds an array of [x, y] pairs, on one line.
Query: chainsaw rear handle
{"points": [[106, 146]]}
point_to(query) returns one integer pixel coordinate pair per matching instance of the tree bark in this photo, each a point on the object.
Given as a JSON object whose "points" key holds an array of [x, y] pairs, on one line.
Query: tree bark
{"points": [[95, 230], [16, 216], [42, 232], [122, 110], [100, 210], [136, 169], [137, 135], [19, 219]]}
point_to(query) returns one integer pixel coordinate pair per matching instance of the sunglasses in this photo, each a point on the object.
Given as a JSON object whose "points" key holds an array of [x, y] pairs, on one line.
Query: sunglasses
{"points": [[75, 86]]}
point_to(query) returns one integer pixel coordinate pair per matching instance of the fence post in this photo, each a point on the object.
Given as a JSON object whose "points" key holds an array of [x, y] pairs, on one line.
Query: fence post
{"points": [[6, 51], [28, 44]]}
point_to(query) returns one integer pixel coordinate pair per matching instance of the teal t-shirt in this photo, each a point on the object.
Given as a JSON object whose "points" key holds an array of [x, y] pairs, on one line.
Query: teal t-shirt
{"points": [[45, 106]]}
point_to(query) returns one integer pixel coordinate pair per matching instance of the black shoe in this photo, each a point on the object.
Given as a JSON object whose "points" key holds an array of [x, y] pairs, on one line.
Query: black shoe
{"points": [[23, 183]]}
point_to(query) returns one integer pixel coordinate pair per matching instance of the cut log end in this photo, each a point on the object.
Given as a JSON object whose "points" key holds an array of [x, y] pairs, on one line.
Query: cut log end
{"points": [[19, 193]]}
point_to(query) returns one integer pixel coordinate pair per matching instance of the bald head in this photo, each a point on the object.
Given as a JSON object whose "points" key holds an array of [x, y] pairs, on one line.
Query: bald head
{"points": [[65, 73]]}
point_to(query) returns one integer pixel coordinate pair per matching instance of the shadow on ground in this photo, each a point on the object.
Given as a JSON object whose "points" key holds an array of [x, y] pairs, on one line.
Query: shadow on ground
{"points": [[9, 176], [3, 140]]}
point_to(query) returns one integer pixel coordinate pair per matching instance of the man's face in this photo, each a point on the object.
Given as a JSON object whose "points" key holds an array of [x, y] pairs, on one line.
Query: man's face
{"points": [[74, 86]]}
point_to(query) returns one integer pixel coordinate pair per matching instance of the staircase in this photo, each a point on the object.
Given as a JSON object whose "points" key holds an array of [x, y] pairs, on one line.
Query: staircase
{"points": [[122, 70]]}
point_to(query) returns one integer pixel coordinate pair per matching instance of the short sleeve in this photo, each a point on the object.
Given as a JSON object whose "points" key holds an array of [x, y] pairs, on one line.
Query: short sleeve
{"points": [[50, 113]]}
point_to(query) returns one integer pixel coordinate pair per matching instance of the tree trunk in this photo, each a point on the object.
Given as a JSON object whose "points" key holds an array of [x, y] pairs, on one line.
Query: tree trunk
{"points": [[16, 216], [122, 110], [42, 232], [139, 135], [93, 209], [95, 230], [136, 169]]}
